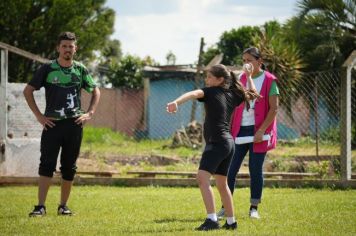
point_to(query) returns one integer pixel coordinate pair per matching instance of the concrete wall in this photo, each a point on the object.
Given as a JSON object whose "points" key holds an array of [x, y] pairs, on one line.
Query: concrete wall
{"points": [[119, 110], [21, 121], [22, 157], [22, 141]]}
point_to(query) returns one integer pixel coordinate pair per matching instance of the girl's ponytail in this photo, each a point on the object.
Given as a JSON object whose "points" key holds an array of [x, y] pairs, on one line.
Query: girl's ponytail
{"points": [[238, 89]]}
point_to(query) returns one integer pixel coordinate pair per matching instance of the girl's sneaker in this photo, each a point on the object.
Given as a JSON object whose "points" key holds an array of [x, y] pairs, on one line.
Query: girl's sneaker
{"points": [[254, 214], [208, 225], [230, 227]]}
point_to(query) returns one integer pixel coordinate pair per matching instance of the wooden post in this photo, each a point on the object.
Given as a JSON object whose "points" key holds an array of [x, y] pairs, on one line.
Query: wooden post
{"points": [[345, 117], [3, 102], [3, 85], [197, 79], [23, 53]]}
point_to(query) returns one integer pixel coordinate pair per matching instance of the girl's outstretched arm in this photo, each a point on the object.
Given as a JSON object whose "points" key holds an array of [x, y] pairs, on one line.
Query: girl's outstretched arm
{"points": [[172, 107]]}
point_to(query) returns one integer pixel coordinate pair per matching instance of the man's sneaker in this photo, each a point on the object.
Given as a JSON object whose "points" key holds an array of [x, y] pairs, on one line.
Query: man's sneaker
{"points": [[64, 210], [221, 213], [230, 227], [38, 211], [208, 225], [254, 214]]}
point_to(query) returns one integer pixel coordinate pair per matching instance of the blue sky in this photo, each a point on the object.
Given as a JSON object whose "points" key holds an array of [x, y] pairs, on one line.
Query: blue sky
{"points": [[155, 27]]}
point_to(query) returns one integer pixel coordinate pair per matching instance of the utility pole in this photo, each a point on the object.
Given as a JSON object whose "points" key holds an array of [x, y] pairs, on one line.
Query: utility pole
{"points": [[197, 78]]}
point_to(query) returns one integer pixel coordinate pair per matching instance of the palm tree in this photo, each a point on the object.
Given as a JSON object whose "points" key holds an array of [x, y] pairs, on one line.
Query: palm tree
{"points": [[341, 12], [337, 20], [282, 59], [340, 22]]}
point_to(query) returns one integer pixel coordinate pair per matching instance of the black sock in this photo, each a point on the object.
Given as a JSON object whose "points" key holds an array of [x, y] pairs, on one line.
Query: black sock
{"points": [[253, 207]]}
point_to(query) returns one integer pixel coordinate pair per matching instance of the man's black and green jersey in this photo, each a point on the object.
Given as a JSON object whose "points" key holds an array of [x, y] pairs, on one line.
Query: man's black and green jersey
{"points": [[62, 87]]}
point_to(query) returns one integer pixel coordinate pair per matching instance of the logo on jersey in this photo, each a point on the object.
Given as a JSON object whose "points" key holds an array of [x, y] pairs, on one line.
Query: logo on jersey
{"points": [[71, 97], [55, 80]]}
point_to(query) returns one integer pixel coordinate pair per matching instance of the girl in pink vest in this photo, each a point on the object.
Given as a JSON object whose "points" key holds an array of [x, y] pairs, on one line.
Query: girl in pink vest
{"points": [[254, 130]]}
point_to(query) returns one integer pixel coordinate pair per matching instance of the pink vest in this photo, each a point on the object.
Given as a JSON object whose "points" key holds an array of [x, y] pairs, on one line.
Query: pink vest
{"points": [[261, 110]]}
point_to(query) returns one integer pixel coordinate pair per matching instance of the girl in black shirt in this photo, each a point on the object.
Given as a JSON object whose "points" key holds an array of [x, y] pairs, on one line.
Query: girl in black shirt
{"points": [[223, 92]]}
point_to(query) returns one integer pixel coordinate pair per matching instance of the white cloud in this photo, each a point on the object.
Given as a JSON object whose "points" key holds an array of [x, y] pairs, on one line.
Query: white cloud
{"points": [[180, 31]]}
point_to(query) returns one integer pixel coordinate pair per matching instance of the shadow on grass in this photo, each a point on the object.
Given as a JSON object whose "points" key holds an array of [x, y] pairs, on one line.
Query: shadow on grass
{"points": [[159, 231], [172, 220]]}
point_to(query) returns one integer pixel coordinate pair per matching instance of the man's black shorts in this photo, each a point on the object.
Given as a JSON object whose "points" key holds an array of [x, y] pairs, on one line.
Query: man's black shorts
{"points": [[67, 136]]}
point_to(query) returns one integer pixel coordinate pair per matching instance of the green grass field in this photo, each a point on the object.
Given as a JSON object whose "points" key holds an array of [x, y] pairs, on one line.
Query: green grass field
{"points": [[105, 148], [176, 211], [104, 141]]}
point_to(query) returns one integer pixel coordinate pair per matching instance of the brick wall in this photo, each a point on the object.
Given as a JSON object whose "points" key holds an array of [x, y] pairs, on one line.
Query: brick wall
{"points": [[120, 110]]}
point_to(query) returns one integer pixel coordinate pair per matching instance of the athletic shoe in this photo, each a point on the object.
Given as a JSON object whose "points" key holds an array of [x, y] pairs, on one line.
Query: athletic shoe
{"points": [[208, 225], [221, 213], [38, 211], [64, 211], [230, 227], [254, 214]]}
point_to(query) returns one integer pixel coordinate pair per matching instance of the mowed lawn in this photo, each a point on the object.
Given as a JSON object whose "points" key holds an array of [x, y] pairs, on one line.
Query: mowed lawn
{"points": [[102, 210]]}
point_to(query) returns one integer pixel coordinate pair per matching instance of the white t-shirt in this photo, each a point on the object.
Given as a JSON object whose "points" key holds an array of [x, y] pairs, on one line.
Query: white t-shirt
{"points": [[248, 117]]}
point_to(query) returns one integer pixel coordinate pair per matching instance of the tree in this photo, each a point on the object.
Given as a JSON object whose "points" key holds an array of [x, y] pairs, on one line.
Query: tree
{"points": [[149, 61], [210, 54], [232, 43], [171, 58], [109, 55], [127, 73], [34, 25], [324, 29], [341, 12], [111, 51]]}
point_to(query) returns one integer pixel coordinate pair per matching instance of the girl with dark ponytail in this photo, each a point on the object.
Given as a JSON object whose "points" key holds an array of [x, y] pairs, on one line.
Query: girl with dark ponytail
{"points": [[223, 92]]}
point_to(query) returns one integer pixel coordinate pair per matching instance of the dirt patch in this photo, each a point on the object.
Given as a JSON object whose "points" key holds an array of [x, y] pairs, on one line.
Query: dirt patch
{"points": [[135, 160], [94, 162], [85, 164]]}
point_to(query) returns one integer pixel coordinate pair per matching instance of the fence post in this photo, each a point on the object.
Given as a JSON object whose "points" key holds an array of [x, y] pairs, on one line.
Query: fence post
{"points": [[146, 95], [345, 116], [3, 102], [316, 115]]}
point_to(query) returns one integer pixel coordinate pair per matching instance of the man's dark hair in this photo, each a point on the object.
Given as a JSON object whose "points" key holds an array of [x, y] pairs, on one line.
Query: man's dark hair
{"points": [[66, 36]]}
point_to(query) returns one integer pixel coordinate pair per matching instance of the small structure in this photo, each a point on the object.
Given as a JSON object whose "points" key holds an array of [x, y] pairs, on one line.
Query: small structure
{"points": [[162, 84]]}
